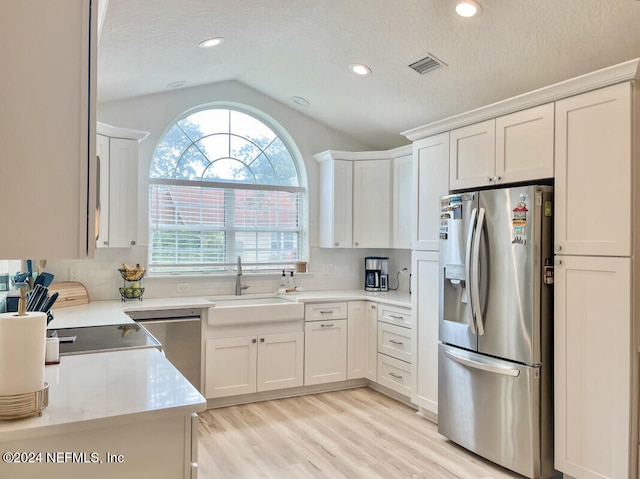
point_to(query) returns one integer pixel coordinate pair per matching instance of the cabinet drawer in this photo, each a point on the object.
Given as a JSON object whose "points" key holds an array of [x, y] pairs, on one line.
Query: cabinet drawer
{"points": [[395, 341], [324, 311], [394, 374], [395, 315]]}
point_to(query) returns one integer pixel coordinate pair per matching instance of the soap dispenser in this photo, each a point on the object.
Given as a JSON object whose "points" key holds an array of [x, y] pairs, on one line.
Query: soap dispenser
{"points": [[283, 281], [292, 281]]}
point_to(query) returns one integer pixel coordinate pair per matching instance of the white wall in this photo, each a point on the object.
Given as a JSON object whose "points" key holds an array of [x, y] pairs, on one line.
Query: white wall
{"points": [[330, 269]]}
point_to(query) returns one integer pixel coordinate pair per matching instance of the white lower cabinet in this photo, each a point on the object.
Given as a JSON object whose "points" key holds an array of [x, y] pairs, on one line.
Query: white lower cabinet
{"points": [[372, 341], [249, 364], [593, 357], [357, 339], [394, 374], [325, 351], [425, 268]]}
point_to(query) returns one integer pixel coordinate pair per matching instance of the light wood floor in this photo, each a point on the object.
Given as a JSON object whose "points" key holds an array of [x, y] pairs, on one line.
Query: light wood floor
{"points": [[356, 433]]}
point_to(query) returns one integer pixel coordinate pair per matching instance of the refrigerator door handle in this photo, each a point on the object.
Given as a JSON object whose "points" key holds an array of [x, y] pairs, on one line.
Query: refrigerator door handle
{"points": [[484, 367], [475, 280], [467, 266]]}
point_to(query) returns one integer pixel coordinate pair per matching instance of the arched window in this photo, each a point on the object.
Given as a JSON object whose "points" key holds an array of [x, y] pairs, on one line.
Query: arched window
{"points": [[223, 184]]}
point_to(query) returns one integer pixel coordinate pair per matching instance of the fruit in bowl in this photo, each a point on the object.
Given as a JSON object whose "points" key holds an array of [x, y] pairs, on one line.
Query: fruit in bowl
{"points": [[131, 293]]}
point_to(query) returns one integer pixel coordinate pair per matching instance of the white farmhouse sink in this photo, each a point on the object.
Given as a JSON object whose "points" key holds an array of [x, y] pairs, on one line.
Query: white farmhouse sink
{"points": [[246, 310]]}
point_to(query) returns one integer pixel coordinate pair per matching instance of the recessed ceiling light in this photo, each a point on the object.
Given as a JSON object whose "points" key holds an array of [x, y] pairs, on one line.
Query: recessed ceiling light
{"points": [[211, 42], [298, 100], [176, 84], [360, 69], [468, 8]]}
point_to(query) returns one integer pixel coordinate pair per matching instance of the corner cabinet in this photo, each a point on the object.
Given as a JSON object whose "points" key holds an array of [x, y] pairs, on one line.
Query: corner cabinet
{"points": [[508, 149], [365, 198], [47, 112], [117, 151], [372, 204]]}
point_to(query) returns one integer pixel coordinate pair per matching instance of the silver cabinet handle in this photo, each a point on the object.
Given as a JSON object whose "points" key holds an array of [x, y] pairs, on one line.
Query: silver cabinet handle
{"points": [[327, 325], [357, 244], [393, 375], [336, 244], [489, 179], [393, 316], [496, 178], [393, 341], [327, 312]]}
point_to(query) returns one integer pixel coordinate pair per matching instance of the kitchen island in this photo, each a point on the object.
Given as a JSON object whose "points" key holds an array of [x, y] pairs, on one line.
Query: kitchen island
{"points": [[125, 414]]}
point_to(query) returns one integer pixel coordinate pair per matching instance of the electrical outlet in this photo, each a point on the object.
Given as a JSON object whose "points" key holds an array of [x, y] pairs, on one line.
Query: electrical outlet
{"points": [[183, 287], [74, 274]]}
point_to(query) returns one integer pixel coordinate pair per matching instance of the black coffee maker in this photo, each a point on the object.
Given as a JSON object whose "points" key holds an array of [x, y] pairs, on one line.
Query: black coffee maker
{"points": [[376, 273]]}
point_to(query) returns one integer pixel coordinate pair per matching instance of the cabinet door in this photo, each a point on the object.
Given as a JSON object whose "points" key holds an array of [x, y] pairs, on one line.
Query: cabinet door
{"points": [[231, 366], [102, 152], [357, 340], [336, 200], [424, 306], [372, 204], [394, 374], [123, 192], [280, 361], [592, 366], [402, 205], [47, 113], [593, 173], [325, 351], [472, 155], [372, 342], [430, 182], [524, 145]]}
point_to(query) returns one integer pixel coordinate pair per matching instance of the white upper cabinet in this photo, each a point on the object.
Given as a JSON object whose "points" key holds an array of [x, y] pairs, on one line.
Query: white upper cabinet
{"points": [[430, 182], [402, 202], [511, 148], [472, 155], [47, 113], [356, 199], [593, 173], [524, 145], [372, 204], [336, 203]]}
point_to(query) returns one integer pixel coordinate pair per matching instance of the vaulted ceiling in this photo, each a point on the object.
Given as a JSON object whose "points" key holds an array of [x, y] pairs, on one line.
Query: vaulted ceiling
{"points": [[303, 48]]}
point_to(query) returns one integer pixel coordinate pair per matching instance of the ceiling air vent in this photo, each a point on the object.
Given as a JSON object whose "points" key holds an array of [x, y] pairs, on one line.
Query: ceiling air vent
{"points": [[426, 64]]}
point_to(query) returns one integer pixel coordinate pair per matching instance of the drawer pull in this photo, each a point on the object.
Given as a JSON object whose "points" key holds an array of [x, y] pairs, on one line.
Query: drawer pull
{"points": [[326, 325], [393, 316], [396, 376], [393, 341], [326, 312]]}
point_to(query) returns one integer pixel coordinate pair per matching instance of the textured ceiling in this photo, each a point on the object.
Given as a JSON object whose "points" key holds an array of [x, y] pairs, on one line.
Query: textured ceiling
{"points": [[287, 48]]}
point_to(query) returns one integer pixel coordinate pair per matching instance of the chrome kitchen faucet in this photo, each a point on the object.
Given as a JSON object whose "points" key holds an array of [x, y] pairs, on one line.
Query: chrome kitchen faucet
{"points": [[239, 285]]}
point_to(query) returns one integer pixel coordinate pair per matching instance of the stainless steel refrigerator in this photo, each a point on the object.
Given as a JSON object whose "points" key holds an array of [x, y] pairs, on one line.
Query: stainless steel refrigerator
{"points": [[495, 326]]}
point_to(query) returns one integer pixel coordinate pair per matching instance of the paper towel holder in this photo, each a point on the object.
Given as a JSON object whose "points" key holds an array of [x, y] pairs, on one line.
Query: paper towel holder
{"points": [[23, 405]]}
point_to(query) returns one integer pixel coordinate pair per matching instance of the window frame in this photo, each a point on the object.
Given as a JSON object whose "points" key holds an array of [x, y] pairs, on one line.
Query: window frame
{"points": [[229, 266]]}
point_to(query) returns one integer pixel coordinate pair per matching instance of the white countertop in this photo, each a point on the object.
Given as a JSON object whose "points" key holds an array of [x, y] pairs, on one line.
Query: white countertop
{"points": [[87, 391], [98, 313]]}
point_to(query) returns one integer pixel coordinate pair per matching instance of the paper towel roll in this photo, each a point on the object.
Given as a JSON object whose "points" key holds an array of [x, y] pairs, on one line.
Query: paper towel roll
{"points": [[22, 348]]}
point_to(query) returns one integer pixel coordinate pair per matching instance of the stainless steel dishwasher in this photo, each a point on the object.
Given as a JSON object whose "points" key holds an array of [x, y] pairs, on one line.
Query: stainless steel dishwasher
{"points": [[179, 332]]}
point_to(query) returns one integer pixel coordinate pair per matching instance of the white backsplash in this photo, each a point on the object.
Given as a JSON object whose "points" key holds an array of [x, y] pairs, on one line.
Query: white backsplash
{"points": [[329, 269]]}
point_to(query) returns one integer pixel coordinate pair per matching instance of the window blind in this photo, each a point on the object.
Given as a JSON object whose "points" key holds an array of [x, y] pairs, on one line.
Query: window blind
{"points": [[204, 227]]}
